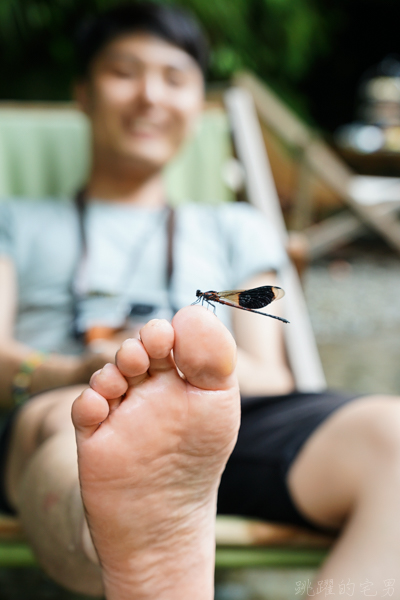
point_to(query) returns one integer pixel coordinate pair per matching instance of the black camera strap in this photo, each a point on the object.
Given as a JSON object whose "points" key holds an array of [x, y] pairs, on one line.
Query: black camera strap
{"points": [[81, 280]]}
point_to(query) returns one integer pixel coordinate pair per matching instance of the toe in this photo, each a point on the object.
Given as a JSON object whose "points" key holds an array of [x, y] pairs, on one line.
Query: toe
{"points": [[88, 411], [204, 349], [132, 359], [158, 339], [109, 382]]}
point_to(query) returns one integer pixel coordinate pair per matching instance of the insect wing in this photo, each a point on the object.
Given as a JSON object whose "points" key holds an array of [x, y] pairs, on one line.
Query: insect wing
{"points": [[253, 298], [232, 296]]}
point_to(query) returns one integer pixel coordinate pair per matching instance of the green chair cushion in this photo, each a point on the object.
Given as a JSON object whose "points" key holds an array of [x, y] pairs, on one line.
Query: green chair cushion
{"points": [[46, 153]]}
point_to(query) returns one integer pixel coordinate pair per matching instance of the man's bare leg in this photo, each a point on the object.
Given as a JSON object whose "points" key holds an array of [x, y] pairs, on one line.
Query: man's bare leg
{"points": [[149, 472], [42, 484], [348, 474]]}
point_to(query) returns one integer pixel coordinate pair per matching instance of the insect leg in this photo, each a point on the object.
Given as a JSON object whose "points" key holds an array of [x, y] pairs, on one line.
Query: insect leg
{"points": [[210, 304]]}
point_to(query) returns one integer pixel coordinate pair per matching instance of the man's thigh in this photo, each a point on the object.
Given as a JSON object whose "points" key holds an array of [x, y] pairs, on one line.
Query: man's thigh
{"points": [[346, 450], [41, 417]]}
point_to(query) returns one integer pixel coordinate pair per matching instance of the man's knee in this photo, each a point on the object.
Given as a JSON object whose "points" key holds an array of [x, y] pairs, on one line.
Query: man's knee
{"points": [[57, 417], [45, 415], [37, 421], [378, 427], [347, 452], [361, 432]]}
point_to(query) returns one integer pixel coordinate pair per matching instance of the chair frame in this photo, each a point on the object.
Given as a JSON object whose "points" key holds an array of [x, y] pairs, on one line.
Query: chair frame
{"points": [[242, 543], [373, 201], [249, 144]]}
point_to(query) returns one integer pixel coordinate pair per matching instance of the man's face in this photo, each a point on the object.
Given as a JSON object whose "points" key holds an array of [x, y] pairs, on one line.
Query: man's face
{"points": [[143, 97]]}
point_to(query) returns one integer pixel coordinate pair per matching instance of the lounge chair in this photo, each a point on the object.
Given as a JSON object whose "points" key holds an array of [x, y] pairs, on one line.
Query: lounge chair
{"points": [[44, 152]]}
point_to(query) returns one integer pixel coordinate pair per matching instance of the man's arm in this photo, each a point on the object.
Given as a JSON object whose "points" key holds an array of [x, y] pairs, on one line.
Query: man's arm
{"points": [[57, 370], [262, 366]]}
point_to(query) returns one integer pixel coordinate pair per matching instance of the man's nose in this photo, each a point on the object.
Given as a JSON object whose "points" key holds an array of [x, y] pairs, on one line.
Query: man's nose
{"points": [[152, 88]]}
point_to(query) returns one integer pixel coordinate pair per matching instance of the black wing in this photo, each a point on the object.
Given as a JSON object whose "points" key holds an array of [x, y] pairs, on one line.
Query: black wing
{"points": [[260, 297]]}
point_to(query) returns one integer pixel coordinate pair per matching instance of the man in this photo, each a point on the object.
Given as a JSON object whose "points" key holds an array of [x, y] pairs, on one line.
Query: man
{"points": [[156, 429]]}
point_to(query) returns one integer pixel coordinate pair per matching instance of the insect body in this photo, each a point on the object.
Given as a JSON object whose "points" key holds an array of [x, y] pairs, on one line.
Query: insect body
{"points": [[245, 299]]}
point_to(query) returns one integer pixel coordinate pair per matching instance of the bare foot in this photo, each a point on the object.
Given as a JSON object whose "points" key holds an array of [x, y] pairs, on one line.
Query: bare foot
{"points": [[150, 471]]}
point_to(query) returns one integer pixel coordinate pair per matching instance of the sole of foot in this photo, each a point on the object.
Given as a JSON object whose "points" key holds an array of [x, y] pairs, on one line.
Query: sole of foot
{"points": [[154, 432]]}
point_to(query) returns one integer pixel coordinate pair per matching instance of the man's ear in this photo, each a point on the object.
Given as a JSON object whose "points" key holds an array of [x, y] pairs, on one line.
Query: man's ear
{"points": [[81, 95]]}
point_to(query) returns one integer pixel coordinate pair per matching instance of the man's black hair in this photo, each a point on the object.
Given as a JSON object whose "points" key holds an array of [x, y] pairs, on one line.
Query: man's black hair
{"points": [[171, 23]]}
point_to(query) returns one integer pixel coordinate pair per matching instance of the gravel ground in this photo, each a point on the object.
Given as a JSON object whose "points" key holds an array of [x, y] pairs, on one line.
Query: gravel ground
{"points": [[355, 312], [357, 298]]}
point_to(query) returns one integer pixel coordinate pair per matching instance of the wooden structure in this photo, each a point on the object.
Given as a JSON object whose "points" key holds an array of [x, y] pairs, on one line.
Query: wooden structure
{"points": [[301, 346], [373, 201]]}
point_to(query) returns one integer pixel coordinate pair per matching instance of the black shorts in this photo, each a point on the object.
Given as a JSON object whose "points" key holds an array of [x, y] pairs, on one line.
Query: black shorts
{"points": [[272, 431]]}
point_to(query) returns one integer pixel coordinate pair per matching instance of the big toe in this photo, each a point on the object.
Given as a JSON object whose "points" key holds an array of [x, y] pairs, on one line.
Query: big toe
{"points": [[204, 349]]}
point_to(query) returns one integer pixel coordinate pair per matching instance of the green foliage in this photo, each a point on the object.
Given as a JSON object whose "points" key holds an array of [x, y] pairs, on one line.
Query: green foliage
{"points": [[278, 39], [275, 38]]}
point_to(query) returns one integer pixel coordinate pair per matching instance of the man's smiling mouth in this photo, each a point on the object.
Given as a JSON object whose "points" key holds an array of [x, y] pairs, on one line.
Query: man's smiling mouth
{"points": [[145, 127]]}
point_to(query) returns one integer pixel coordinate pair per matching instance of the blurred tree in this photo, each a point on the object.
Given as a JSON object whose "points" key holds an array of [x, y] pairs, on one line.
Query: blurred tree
{"points": [[278, 39], [365, 31]]}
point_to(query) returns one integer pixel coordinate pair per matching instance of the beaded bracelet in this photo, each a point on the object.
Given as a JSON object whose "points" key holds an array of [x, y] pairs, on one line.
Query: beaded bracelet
{"points": [[21, 383]]}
